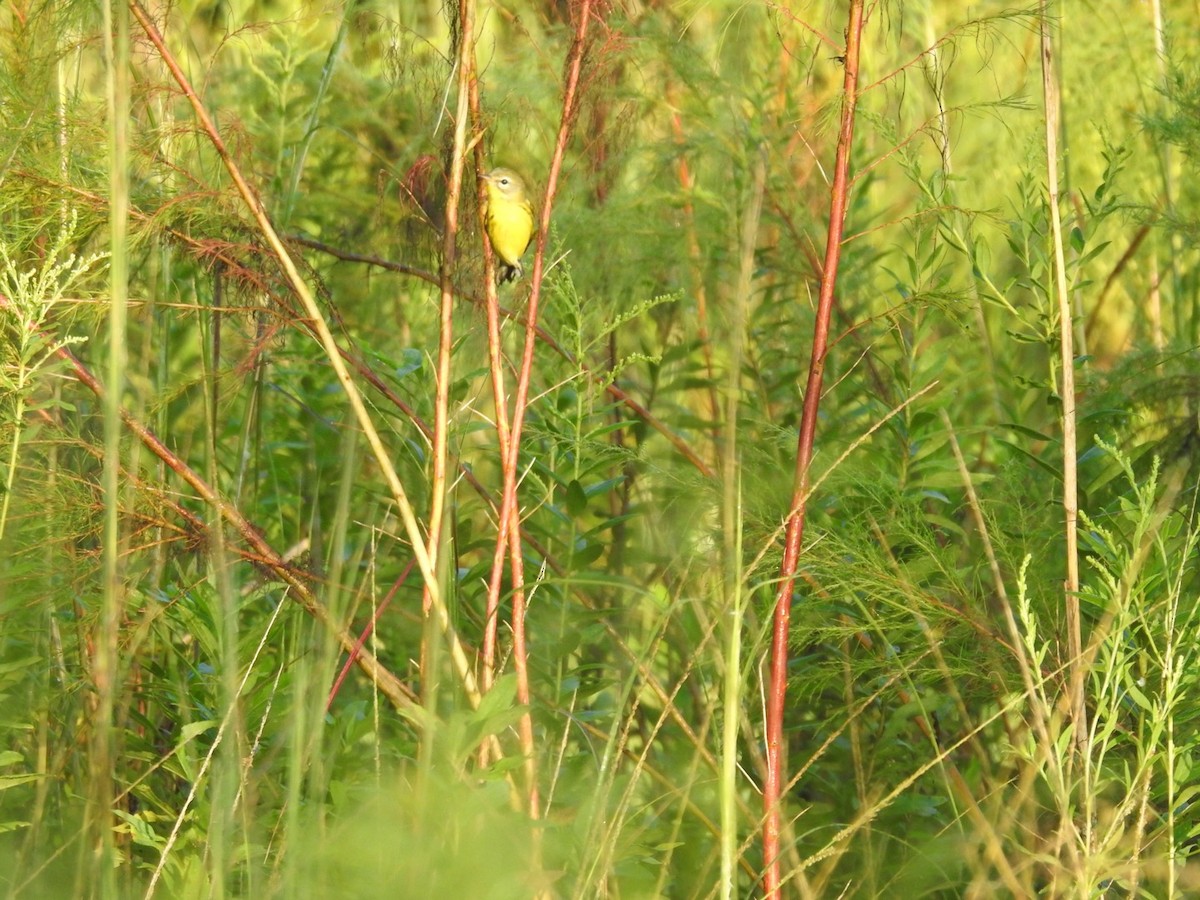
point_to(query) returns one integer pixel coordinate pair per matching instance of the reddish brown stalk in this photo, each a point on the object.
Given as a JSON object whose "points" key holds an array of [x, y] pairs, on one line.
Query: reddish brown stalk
{"points": [[509, 512], [1093, 318], [352, 656], [492, 310], [796, 20], [777, 688]]}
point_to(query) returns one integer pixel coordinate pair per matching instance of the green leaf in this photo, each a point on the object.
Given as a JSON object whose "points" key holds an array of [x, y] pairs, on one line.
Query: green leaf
{"points": [[501, 696], [587, 554], [9, 781], [1077, 240], [193, 729], [1028, 432], [1137, 696], [1033, 458], [576, 500]]}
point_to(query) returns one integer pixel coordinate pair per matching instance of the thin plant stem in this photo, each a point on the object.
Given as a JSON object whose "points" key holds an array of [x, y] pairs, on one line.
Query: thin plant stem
{"points": [[199, 780], [367, 632], [492, 310], [1154, 304], [777, 686], [106, 669], [441, 419], [1114, 278], [1070, 498], [508, 505], [314, 113], [732, 527], [10, 472]]}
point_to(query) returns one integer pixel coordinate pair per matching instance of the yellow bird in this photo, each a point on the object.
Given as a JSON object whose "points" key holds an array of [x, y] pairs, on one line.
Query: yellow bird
{"points": [[509, 220]]}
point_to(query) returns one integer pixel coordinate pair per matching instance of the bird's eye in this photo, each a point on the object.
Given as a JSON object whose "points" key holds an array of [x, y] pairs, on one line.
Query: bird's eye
{"points": [[504, 182]]}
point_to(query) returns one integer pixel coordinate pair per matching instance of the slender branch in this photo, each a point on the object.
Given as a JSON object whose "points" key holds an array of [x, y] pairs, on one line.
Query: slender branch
{"points": [[368, 630], [493, 311], [783, 9], [1117, 270], [508, 505], [1067, 389], [441, 416], [777, 688]]}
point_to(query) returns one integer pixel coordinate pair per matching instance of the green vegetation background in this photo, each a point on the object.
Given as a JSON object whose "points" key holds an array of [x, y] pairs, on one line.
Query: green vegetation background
{"points": [[930, 755]]}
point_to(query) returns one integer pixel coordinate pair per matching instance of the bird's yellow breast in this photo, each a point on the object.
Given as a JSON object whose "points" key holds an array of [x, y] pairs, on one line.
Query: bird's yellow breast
{"points": [[510, 226]]}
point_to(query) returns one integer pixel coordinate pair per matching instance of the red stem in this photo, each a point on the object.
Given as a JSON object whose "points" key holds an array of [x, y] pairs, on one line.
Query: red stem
{"points": [[493, 311], [352, 656], [777, 688], [509, 513]]}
